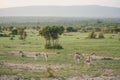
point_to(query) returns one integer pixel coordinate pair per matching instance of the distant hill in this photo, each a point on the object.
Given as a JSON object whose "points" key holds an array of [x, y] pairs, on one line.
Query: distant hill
{"points": [[63, 11]]}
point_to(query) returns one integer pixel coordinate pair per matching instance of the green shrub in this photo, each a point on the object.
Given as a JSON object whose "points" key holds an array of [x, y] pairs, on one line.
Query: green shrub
{"points": [[100, 35], [92, 35], [50, 72], [57, 46], [4, 35], [11, 38], [14, 32], [47, 46]]}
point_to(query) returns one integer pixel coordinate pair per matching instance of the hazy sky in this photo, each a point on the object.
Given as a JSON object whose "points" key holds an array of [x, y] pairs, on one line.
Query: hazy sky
{"points": [[17, 3]]}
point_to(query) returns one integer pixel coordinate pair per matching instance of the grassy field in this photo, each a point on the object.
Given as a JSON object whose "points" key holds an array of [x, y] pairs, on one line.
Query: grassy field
{"points": [[71, 42]]}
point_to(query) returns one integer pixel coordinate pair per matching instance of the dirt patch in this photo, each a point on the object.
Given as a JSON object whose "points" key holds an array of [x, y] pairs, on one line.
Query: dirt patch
{"points": [[29, 54], [85, 77], [107, 58], [35, 67]]}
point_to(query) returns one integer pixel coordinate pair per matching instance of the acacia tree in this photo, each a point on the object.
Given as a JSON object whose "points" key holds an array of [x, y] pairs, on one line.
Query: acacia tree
{"points": [[60, 32], [52, 34], [22, 33], [45, 32], [55, 32]]}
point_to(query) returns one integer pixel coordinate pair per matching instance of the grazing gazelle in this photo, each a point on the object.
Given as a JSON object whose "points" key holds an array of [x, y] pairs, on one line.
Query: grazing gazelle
{"points": [[77, 57]]}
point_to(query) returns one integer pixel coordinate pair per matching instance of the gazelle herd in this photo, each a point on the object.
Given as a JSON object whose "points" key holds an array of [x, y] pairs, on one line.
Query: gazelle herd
{"points": [[77, 56], [87, 57]]}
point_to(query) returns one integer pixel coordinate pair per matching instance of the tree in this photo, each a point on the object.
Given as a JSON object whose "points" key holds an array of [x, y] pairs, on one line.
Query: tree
{"points": [[14, 31], [71, 29], [52, 34], [105, 30], [100, 35], [45, 32], [11, 28], [22, 33], [61, 30], [115, 30]]}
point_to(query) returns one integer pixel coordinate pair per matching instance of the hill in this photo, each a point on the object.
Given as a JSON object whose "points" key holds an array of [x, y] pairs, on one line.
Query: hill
{"points": [[63, 11]]}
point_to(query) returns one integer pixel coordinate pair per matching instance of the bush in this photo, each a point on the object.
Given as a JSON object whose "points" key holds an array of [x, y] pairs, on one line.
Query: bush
{"points": [[115, 30], [14, 32], [92, 35], [101, 36], [71, 29], [47, 46], [57, 46], [4, 35], [11, 38], [50, 72]]}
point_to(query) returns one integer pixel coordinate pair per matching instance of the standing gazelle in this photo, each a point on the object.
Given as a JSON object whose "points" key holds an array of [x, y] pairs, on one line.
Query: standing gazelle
{"points": [[89, 58], [77, 57], [36, 55], [93, 55], [45, 55]]}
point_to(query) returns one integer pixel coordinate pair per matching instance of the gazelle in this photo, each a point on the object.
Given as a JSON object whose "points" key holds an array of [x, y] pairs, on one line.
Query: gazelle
{"points": [[21, 54], [77, 57], [89, 58], [93, 55], [45, 55], [36, 55]]}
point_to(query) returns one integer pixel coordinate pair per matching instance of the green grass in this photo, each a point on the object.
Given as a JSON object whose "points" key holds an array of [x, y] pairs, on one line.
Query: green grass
{"points": [[108, 47], [24, 74], [71, 43]]}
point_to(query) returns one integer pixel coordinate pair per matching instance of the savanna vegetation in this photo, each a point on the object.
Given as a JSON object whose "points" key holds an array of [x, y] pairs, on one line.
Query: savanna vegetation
{"points": [[60, 42]]}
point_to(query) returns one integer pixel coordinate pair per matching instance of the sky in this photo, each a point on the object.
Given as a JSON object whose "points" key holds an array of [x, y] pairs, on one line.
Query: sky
{"points": [[20, 3]]}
